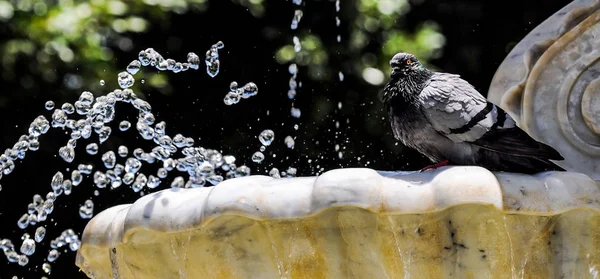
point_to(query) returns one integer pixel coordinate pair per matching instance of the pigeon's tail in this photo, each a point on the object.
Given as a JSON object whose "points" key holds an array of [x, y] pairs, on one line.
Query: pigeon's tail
{"points": [[497, 161]]}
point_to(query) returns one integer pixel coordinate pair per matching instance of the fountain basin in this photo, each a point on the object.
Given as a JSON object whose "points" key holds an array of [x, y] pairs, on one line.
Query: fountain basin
{"points": [[454, 222]]}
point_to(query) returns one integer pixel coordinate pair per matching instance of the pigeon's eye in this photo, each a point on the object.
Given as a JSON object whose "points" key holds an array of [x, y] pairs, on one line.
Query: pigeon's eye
{"points": [[408, 62]]}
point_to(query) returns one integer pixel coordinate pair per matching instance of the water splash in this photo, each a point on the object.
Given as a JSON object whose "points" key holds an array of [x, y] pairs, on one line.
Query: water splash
{"points": [[235, 94], [293, 68], [90, 115], [296, 19], [86, 211], [212, 59], [203, 166]]}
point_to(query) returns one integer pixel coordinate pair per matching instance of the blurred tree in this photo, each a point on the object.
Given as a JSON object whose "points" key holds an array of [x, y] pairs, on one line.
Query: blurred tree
{"points": [[376, 32], [74, 42]]}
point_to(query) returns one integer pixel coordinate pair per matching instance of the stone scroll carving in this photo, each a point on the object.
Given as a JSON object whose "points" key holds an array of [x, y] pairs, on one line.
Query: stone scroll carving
{"points": [[550, 84]]}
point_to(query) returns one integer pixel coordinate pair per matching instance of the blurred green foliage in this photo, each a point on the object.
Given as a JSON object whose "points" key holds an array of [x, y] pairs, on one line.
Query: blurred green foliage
{"points": [[374, 25], [80, 38]]}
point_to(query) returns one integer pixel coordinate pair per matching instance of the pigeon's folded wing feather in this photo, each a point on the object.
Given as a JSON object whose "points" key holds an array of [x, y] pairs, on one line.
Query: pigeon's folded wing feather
{"points": [[456, 110]]}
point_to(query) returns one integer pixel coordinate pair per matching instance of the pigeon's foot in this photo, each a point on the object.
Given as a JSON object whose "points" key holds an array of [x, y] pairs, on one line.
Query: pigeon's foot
{"points": [[435, 166]]}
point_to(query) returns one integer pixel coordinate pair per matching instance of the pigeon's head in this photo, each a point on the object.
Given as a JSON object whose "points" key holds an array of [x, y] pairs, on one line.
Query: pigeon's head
{"points": [[404, 64]]}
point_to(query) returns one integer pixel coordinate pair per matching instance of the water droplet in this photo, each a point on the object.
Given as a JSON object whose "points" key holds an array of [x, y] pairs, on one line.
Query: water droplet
{"points": [[40, 233], [104, 133], [289, 142], [23, 260], [293, 68], [28, 247], [132, 165], [193, 60], [86, 211], [341, 76], [59, 118], [178, 182], [297, 45], [125, 80], [214, 179], [109, 159], [100, 179], [68, 108], [46, 267], [134, 67], [67, 186], [139, 183], [274, 172], [266, 137], [296, 19], [291, 172], [92, 148], [295, 112], [124, 125], [242, 171], [123, 151], [233, 86], [262, 148], [212, 59], [52, 255], [250, 89], [49, 105], [258, 157], [57, 181], [85, 169], [231, 98], [102, 82], [162, 173], [23, 222], [153, 182], [50, 197], [6, 245], [76, 177]]}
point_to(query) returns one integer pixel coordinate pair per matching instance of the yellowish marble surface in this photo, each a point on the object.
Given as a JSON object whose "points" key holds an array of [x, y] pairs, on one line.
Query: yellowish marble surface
{"points": [[455, 222]]}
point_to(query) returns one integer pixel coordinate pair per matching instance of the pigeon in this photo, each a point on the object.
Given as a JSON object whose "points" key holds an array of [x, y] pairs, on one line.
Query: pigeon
{"points": [[444, 118]]}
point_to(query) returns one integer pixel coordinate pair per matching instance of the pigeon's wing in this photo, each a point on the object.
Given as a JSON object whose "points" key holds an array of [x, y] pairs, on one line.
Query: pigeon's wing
{"points": [[456, 110]]}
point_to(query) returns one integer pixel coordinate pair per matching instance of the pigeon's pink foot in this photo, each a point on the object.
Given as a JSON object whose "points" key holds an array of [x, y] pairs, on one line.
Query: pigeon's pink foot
{"points": [[435, 166]]}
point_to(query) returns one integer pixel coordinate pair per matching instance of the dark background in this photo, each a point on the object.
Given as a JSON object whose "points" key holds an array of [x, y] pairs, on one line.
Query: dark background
{"points": [[479, 34]]}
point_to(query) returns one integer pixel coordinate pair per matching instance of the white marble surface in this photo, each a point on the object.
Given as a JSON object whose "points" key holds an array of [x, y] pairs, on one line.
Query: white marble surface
{"points": [[262, 197]]}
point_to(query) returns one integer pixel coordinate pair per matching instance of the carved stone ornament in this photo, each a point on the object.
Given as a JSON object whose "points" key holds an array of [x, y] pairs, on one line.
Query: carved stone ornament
{"points": [[550, 84]]}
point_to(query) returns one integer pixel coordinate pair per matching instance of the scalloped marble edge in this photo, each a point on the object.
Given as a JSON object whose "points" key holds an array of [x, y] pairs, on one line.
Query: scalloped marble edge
{"points": [[263, 197], [508, 83]]}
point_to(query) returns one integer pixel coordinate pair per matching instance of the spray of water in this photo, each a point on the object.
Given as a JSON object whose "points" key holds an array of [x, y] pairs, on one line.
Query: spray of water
{"points": [[197, 166]]}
